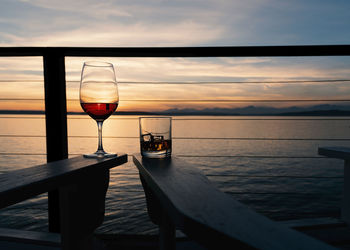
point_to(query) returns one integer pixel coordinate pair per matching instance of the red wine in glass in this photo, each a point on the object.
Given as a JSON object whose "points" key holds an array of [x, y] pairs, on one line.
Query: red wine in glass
{"points": [[99, 111], [99, 97]]}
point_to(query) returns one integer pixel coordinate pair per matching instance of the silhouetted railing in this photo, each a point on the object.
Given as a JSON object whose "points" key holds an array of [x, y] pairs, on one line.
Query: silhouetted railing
{"points": [[55, 82]]}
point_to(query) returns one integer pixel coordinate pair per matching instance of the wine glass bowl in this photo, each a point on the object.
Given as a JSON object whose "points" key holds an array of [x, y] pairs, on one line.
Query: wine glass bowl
{"points": [[99, 97]]}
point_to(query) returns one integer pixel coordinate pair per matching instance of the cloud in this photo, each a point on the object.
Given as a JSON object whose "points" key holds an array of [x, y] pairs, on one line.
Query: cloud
{"points": [[172, 23], [120, 23], [100, 9], [120, 35]]}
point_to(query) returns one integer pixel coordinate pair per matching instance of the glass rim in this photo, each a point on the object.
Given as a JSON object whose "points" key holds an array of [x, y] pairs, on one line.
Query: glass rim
{"points": [[155, 117], [98, 64]]}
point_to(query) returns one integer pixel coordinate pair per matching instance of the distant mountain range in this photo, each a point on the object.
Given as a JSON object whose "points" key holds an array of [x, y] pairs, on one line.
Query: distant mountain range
{"points": [[316, 110], [323, 109]]}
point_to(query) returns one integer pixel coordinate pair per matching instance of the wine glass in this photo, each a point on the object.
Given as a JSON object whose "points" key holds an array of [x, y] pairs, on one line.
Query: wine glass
{"points": [[99, 97]]}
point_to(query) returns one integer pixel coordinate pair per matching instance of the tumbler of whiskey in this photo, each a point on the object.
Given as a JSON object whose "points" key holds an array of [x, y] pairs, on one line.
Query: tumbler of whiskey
{"points": [[155, 137]]}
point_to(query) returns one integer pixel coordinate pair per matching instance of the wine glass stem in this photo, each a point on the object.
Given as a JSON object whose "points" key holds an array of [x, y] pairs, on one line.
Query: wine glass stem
{"points": [[99, 126]]}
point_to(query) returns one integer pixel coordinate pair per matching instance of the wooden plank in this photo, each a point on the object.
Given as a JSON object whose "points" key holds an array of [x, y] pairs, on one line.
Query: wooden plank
{"points": [[219, 51], [337, 236], [335, 152], [345, 207], [31, 237], [22, 184], [56, 122], [55, 106], [21, 51], [313, 223], [211, 217], [10, 245]]}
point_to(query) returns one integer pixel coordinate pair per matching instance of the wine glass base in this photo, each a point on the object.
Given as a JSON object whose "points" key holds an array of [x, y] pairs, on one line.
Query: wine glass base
{"points": [[100, 155]]}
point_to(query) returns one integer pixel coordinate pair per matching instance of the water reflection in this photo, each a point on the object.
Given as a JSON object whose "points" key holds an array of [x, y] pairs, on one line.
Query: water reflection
{"points": [[249, 168]]}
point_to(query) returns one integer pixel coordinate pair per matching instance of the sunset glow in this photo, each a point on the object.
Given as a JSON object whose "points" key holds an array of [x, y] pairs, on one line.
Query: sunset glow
{"points": [[153, 84]]}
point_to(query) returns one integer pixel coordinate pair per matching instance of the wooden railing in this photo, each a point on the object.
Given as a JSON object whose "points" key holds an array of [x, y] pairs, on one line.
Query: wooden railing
{"points": [[55, 82]]}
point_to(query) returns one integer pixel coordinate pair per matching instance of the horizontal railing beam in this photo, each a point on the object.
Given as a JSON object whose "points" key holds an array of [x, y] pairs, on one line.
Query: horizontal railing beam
{"points": [[221, 51], [21, 51], [229, 51]]}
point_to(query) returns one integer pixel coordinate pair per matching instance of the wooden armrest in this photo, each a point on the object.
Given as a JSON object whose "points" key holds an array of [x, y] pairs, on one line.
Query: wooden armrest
{"points": [[335, 152], [19, 185], [82, 184], [210, 216]]}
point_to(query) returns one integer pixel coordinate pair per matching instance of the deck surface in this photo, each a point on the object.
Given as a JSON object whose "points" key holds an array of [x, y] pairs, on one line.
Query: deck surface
{"points": [[337, 234]]}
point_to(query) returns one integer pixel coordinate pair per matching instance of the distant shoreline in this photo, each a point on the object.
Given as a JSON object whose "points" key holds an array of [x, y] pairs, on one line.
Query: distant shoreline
{"points": [[199, 113]]}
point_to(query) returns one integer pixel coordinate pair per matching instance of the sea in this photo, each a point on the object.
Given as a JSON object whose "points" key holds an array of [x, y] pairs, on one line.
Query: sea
{"points": [[269, 163]]}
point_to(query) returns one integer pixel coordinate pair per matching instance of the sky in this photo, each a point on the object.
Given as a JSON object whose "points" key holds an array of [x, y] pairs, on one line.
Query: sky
{"points": [[111, 23]]}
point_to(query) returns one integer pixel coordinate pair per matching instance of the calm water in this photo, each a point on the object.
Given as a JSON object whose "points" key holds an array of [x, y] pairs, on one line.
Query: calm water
{"points": [[268, 163]]}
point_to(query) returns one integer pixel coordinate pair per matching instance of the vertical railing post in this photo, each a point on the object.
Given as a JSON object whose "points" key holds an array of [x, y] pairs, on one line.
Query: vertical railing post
{"points": [[56, 122], [345, 210]]}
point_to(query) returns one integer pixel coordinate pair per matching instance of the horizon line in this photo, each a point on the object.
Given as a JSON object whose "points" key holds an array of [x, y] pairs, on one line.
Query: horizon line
{"points": [[331, 112]]}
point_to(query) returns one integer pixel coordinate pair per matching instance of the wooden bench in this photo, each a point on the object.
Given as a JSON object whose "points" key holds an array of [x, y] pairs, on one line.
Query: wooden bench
{"points": [[179, 196], [82, 185]]}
